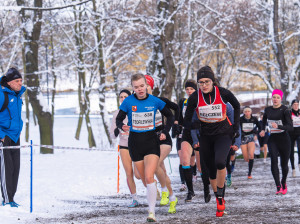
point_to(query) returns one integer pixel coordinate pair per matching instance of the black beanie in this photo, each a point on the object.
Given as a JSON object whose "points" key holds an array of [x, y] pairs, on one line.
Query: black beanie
{"points": [[12, 74], [192, 84], [205, 72], [294, 101], [125, 91]]}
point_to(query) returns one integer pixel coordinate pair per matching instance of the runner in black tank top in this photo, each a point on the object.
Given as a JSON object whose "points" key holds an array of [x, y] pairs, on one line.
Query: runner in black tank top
{"points": [[278, 118], [217, 132], [249, 127]]}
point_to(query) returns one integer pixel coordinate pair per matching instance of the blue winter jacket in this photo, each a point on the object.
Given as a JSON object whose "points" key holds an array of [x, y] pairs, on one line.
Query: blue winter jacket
{"points": [[11, 126]]}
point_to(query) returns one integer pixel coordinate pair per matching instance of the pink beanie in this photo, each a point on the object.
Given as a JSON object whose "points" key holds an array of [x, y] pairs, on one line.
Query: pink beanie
{"points": [[277, 91]]}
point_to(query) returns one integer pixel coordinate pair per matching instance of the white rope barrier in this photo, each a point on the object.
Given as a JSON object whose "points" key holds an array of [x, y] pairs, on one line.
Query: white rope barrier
{"points": [[56, 147]]}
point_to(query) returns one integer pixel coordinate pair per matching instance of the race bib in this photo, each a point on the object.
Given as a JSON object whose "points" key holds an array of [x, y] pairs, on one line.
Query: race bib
{"points": [[142, 121], [275, 130], [158, 119], [210, 112], [296, 121], [247, 127]]}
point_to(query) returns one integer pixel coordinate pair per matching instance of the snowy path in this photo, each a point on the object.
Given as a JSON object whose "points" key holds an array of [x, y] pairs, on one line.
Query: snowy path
{"points": [[90, 198]]}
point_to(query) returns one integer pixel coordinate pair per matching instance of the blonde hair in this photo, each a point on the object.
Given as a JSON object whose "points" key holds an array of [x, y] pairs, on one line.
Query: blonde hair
{"points": [[138, 76]]}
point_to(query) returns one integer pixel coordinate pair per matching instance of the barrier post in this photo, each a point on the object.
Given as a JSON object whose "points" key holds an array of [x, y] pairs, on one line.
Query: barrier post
{"points": [[118, 178], [30, 176]]}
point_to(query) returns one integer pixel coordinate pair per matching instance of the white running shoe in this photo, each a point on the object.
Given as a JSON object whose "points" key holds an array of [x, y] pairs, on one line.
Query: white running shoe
{"points": [[294, 173], [265, 160], [183, 187], [151, 217]]}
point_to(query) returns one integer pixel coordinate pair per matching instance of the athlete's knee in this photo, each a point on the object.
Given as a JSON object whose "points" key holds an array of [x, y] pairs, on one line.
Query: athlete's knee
{"points": [[149, 179], [220, 164]]}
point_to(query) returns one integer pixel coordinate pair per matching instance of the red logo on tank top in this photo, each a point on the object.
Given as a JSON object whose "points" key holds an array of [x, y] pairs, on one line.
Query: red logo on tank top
{"points": [[134, 108]]}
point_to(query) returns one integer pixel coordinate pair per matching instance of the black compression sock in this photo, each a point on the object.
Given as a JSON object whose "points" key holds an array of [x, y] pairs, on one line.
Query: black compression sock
{"points": [[181, 174], [251, 161], [194, 168], [188, 176]]}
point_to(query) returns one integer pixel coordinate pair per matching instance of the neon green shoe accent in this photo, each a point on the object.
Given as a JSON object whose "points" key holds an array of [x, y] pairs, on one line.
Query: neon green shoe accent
{"points": [[164, 198], [172, 208]]}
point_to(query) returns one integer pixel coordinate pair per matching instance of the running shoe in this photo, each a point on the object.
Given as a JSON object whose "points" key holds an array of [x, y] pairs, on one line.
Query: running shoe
{"points": [[207, 196], [133, 204], [220, 214], [284, 190], [220, 204], [229, 182], [189, 196], [13, 204], [151, 217], [183, 187], [3, 203], [172, 208], [265, 160], [279, 191], [249, 177], [294, 173], [164, 198]]}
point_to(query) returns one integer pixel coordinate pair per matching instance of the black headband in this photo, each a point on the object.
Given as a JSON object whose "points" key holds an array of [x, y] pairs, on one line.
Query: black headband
{"points": [[125, 91], [190, 84]]}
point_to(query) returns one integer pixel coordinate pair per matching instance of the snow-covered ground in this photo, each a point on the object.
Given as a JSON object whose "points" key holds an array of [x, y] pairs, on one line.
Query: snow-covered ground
{"points": [[69, 186]]}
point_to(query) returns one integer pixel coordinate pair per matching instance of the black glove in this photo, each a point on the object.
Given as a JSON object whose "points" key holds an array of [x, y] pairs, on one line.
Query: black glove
{"points": [[116, 132], [176, 130]]}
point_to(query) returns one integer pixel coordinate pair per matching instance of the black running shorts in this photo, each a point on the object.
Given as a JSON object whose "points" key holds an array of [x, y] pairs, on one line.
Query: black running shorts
{"points": [[143, 144], [167, 141]]}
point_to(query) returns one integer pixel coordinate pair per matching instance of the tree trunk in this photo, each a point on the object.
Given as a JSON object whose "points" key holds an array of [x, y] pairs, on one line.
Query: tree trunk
{"points": [[279, 52], [31, 45], [102, 74], [164, 67], [83, 97]]}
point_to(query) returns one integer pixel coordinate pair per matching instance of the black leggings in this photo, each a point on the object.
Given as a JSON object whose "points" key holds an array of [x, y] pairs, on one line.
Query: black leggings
{"points": [[214, 151], [292, 158], [279, 145]]}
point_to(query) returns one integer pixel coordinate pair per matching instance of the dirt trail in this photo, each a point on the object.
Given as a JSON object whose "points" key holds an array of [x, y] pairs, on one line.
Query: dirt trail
{"points": [[247, 201]]}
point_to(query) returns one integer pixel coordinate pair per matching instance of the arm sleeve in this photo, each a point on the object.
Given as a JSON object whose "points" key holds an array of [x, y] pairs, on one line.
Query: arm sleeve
{"points": [[238, 140], [113, 127], [258, 126], [288, 123], [2, 98], [119, 119], [194, 137], [170, 119], [174, 107], [229, 97], [229, 112], [264, 121], [192, 104], [180, 119]]}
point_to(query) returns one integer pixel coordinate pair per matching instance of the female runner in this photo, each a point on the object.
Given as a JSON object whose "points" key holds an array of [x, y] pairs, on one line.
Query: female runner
{"points": [[143, 143], [278, 118]]}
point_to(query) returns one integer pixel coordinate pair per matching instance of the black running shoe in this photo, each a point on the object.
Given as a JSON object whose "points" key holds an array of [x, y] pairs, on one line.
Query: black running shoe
{"points": [[207, 196], [189, 196]]}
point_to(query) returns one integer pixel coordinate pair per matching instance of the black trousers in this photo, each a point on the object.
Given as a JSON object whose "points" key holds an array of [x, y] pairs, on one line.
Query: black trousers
{"points": [[294, 138], [214, 151], [9, 169], [279, 145]]}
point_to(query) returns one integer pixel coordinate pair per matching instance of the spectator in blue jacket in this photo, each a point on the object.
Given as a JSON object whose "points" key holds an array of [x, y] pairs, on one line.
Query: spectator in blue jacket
{"points": [[11, 124]]}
